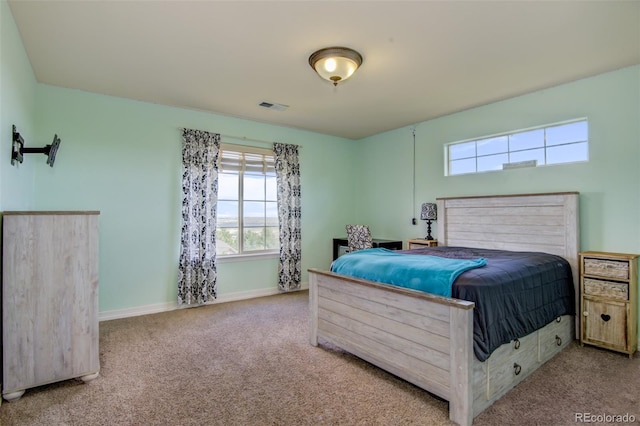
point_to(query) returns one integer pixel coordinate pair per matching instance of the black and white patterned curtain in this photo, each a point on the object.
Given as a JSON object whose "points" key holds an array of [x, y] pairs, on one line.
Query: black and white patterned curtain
{"points": [[288, 179], [197, 269]]}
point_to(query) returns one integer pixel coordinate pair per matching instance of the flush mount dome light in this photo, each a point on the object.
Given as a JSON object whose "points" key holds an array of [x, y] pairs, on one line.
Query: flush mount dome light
{"points": [[335, 63]]}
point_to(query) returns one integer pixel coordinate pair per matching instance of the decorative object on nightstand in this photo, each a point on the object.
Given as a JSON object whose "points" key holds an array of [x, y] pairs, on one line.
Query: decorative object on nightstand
{"points": [[417, 243], [428, 213], [609, 300]]}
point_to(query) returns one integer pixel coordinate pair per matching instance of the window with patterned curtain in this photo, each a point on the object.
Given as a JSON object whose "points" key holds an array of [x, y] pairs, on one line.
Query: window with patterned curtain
{"points": [[197, 273], [287, 168], [247, 202]]}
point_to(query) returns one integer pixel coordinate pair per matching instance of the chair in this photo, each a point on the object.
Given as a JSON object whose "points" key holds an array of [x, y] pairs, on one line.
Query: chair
{"points": [[358, 238]]}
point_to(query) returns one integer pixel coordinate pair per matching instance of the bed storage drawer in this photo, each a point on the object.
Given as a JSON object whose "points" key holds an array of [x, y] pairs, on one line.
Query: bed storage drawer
{"points": [[555, 337], [511, 363], [497, 375]]}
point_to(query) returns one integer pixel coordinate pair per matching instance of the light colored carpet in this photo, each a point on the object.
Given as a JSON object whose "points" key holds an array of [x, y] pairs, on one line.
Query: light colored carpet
{"points": [[250, 363]]}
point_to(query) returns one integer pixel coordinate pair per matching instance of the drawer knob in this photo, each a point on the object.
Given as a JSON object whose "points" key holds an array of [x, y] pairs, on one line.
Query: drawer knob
{"points": [[558, 340], [517, 369], [605, 317], [585, 313], [516, 344]]}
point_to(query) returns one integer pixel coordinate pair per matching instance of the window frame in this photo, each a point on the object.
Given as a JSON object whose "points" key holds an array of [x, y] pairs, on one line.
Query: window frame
{"points": [[509, 152], [269, 171]]}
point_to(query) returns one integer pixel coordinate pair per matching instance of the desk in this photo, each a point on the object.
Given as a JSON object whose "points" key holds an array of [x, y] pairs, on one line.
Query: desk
{"points": [[377, 242]]}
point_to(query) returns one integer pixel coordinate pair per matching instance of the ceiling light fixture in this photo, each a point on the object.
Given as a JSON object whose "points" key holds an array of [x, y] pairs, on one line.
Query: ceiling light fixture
{"points": [[335, 63]]}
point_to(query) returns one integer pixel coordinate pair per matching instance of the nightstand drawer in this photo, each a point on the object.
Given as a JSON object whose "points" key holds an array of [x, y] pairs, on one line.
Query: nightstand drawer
{"points": [[605, 323], [606, 268], [608, 289]]}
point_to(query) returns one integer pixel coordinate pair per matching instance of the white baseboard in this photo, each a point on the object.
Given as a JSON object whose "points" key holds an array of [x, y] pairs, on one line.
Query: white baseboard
{"points": [[170, 306], [136, 311]]}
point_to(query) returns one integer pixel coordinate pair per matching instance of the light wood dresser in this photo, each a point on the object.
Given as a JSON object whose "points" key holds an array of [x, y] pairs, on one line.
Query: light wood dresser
{"points": [[609, 300], [420, 243], [50, 299]]}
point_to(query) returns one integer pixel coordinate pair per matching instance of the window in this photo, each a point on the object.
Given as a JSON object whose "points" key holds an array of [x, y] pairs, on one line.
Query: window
{"points": [[247, 220], [553, 144]]}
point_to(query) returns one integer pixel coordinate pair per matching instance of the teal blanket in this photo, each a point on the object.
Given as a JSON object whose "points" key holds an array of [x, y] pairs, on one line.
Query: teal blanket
{"points": [[431, 274]]}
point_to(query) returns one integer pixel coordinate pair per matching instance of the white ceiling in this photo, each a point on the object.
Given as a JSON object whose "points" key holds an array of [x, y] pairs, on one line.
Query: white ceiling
{"points": [[422, 59]]}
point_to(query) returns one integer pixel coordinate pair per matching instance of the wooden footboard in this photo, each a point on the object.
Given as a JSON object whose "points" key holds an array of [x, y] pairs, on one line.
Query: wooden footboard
{"points": [[422, 338], [426, 340]]}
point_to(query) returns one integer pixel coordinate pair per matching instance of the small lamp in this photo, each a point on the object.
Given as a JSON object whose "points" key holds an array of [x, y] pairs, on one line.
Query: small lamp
{"points": [[429, 213]]}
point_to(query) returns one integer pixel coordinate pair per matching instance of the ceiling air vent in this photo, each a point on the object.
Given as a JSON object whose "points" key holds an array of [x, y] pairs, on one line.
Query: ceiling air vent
{"points": [[277, 107]]}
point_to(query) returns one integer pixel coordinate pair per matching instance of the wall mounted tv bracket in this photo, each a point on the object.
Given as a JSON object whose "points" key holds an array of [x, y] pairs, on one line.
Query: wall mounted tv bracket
{"points": [[18, 148]]}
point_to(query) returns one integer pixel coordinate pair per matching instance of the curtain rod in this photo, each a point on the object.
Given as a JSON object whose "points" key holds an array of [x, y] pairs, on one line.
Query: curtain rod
{"points": [[244, 138]]}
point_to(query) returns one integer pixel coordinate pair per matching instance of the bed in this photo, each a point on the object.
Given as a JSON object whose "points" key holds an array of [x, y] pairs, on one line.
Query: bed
{"points": [[428, 339]]}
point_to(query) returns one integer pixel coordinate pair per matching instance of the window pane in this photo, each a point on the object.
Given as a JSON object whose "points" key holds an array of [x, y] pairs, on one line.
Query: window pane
{"points": [[568, 153], [462, 150], [253, 214], [459, 167], [272, 213], [226, 241], [493, 146], [273, 238], [247, 202], [526, 140], [227, 214], [272, 189], [530, 154], [566, 133], [253, 239], [227, 186], [553, 144], [253, 187], [492, 162]]}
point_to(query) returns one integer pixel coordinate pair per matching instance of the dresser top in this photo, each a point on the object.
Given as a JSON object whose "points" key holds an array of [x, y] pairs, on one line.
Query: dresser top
{"points": [[609, 255]]}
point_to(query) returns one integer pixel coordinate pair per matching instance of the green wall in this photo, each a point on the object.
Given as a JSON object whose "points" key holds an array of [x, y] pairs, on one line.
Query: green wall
{"points": [[17, 107], [609, 183], [123, 158]]}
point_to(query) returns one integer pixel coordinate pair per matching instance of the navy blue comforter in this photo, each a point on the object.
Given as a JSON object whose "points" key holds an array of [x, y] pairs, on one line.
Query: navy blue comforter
{"points": [[515, 294]]}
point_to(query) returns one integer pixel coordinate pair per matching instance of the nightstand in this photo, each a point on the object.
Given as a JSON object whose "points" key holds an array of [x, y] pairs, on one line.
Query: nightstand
{"points": [[421, 242], [609, 300]]}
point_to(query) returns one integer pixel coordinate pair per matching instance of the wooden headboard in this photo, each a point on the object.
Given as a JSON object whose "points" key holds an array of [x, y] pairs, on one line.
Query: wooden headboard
{"points": [[523, 222]]}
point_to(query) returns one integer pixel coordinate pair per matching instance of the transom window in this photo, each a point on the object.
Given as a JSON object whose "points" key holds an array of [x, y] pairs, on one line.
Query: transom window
{"points": [[247, 220], [552, 144]]}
